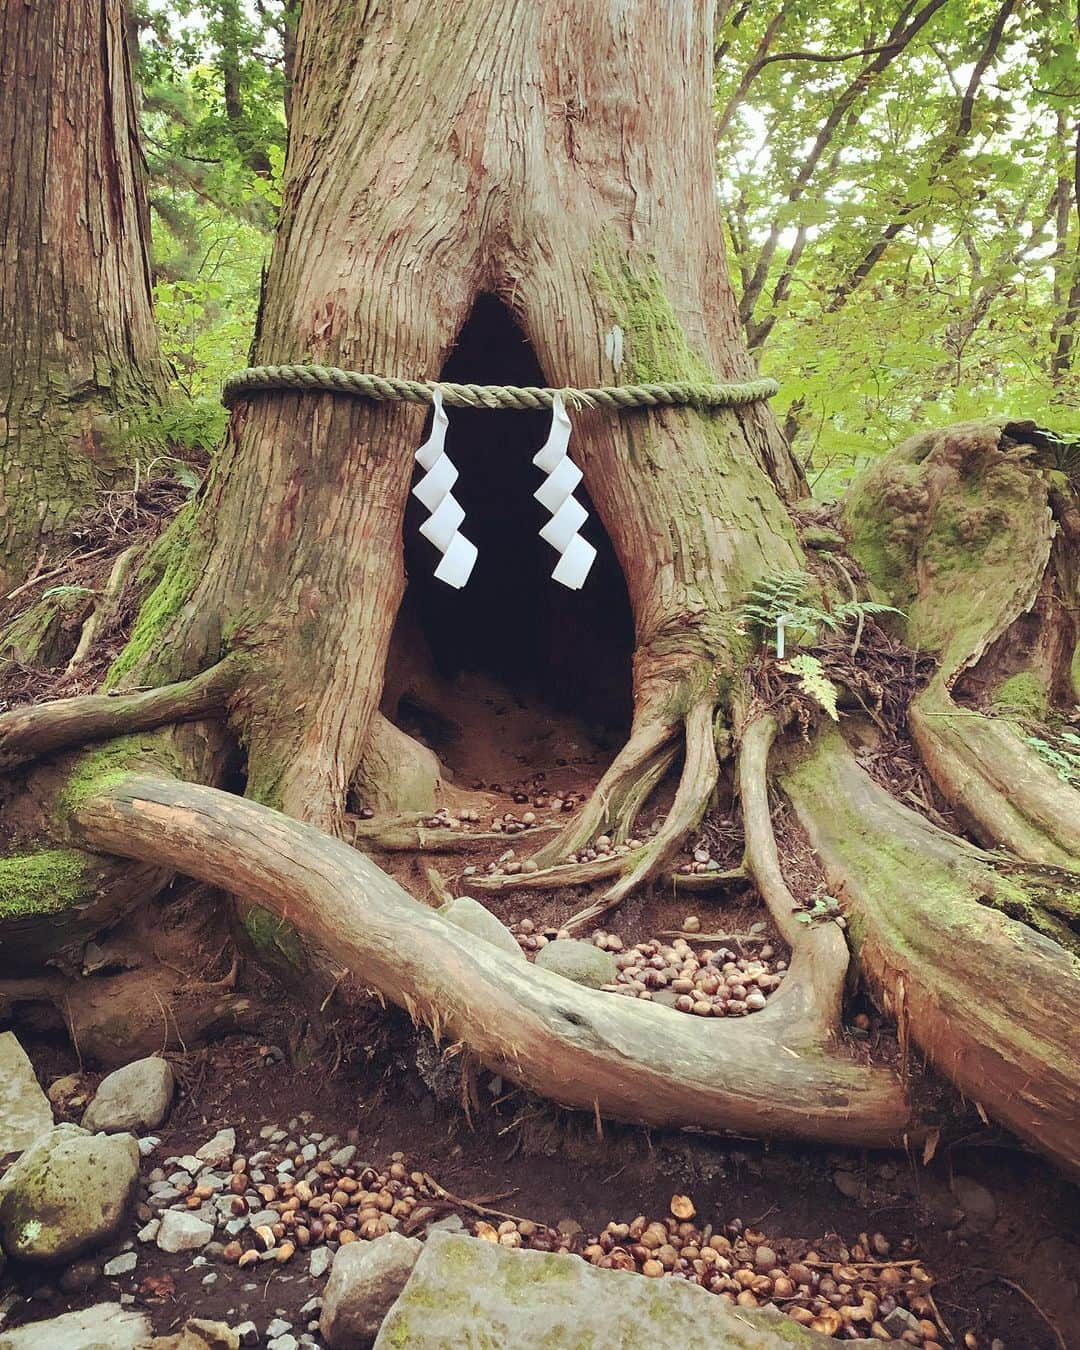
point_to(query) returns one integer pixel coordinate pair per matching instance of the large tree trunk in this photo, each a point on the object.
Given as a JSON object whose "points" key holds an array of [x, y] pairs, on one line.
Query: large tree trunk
{"points": [[564, 166], [78, 346]]}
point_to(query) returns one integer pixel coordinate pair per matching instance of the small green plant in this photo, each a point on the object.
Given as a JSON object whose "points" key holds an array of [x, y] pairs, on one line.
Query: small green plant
{"points": [[1064, 757], [825, 909], [814, 682], [788, 599], [55, 591]]}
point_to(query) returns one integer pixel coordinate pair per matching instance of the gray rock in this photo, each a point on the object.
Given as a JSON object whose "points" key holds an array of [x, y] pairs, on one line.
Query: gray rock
{"points": [[79, 1276], [450, 1223], [320, 1261], [67, 1192], [248, 1333], [278, 1327], [182, 1231], [847, 1183], [164, 1194], [123, 1264], [136, 1097], [464, 1291], [899, 1321], [106, 1326], [344, 1156], [204, 1334], [25, 1113], [286, 1342], [149, 1231], [219, 1150], [366, 1279], [469, 914], [578, 961], [148, 1144], [979, 1206]]}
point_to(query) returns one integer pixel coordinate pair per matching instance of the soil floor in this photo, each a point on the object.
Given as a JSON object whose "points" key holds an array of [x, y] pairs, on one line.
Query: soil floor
{"points": [[529, 1160], [1007, 1276]]}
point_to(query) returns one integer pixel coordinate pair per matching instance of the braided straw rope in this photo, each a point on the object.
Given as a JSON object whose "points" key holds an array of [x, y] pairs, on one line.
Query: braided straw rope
{"points": [[329, 379]]}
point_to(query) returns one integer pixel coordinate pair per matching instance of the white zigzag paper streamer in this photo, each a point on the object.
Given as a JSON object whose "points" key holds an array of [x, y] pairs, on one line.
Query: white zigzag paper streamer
{"points": [[442, 526], [556, 494]]}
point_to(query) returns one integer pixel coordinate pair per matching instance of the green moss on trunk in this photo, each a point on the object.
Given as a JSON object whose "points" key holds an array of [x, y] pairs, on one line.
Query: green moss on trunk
{"points": [[656, 349], [1023, 694], [171, 571], [47, 882]]}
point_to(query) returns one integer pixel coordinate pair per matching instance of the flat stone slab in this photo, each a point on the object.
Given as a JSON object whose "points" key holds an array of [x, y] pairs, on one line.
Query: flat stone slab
{"points": [[465, 1293], [25, 1113], [106, 1326]]}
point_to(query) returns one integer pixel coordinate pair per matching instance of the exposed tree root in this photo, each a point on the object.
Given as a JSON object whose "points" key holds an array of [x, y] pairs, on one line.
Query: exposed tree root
{"points": [[1000, 788], [700, 883], [620, 793], [700, 772], [39, 729], [992, 1003], [412, 834], [770, 1075], [823, 942], [112, 1020], [104, 606]]}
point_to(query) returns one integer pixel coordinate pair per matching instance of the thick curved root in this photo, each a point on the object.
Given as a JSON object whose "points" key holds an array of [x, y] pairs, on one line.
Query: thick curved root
{"points": [[993, 1004], [999, 787], [620, 793], [772, 1074], [701, 769], [38, 729], [823, 943]]}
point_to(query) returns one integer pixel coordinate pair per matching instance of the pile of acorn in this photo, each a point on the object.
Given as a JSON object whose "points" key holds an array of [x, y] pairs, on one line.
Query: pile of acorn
{"points": [[701, 861], [862, 1291], [713, 982], [603, 846], [530, 938], [849, 1293], [334, 1204]]}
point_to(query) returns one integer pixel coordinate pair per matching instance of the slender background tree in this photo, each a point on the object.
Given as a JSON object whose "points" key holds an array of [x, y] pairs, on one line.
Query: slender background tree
{"points": [[79, 358]]}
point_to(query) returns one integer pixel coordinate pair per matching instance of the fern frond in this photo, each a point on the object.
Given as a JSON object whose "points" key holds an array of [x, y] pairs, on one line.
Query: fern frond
{"points": [[814, 682]]}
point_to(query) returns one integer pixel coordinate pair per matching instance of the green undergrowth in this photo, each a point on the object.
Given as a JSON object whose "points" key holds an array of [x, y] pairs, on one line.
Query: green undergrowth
{"points": [[47, 882]]}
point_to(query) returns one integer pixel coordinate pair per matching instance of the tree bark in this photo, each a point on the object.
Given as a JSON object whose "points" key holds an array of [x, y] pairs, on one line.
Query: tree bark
{"points": [[78, 346], [488, 129]]}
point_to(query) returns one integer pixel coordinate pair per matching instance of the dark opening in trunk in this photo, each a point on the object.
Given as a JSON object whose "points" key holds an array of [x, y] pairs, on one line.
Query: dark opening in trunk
{"points": [[567, 650]]}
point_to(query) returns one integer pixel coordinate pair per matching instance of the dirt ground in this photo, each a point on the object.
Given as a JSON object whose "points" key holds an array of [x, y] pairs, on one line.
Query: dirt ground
{"points": [[1013, 1274], [529, 1160]]}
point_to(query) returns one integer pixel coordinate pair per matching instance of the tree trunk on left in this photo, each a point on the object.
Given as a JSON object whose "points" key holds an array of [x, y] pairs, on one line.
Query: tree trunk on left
{"points": [[78, 347]]}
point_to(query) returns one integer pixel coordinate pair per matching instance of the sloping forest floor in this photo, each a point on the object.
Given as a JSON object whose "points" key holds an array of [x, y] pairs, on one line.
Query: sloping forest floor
{"points": [[996, 1230]]}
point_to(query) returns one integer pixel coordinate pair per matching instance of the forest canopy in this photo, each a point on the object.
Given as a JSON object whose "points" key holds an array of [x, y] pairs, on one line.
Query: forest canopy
{"points": [[899, 194]]}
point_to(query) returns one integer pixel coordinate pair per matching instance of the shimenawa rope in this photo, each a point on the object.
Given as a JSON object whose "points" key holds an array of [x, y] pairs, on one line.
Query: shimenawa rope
{"points": [[329, 379]]}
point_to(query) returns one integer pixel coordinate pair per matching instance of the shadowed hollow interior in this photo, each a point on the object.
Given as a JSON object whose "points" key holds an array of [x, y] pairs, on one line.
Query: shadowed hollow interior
{"points": [[511, 625]]}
